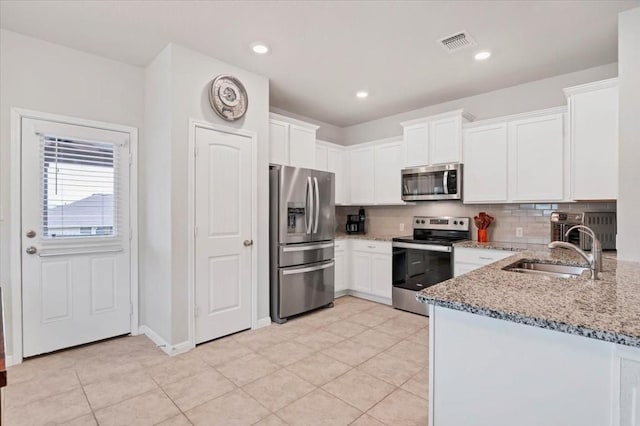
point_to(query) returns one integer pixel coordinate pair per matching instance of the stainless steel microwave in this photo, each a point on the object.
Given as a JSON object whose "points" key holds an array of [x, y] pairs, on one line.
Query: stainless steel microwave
{"points": [[432, 183]]}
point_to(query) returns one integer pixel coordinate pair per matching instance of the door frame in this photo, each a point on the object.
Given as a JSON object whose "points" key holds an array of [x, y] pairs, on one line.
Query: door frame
{"points": [[15, 251], [191, 219]]}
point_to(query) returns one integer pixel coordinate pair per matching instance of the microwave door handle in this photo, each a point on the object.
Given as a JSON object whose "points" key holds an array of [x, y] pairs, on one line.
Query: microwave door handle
{"points": [[317, 200], [309, 206], [445, 181]]}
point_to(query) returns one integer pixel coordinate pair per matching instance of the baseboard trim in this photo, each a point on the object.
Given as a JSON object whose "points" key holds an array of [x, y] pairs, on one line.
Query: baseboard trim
{"points": [[341, 293], [170, 350], [263, 322], [9, 361], [371, 297]]}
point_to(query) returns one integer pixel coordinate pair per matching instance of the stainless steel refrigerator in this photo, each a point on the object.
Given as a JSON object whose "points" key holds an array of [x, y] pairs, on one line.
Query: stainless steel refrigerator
{"points": [[301, 234]]}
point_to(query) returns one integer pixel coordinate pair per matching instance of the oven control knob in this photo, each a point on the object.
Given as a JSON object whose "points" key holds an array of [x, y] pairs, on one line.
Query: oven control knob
{"points": [[422, 221], [455, 222], [417, 221]]}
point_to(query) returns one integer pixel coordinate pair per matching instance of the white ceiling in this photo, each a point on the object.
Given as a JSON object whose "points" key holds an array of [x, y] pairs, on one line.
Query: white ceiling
{"points": [[325, 51]]}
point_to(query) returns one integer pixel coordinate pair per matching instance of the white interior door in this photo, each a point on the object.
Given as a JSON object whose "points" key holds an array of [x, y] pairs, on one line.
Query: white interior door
{"points": [[223, 242], [76, 284]]}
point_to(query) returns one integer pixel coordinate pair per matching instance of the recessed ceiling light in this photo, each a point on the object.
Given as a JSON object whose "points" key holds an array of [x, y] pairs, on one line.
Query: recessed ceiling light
{"points": [[362, 94], [259, 48], [481, 56]]}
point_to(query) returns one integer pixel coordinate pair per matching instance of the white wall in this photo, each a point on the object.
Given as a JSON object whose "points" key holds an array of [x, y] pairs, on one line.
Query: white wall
{"points": [[326, 132], [41, 76], [154, 203], [190, 75], [628, 194], [526, 97]]}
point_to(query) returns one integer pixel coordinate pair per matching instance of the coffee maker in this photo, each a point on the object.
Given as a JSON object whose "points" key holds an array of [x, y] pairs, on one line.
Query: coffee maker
{"points": [[355, 223]]}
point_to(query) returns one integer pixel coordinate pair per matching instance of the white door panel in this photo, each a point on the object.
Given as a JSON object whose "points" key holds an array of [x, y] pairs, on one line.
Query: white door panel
{"points": [[223, 222], [76, 285]]}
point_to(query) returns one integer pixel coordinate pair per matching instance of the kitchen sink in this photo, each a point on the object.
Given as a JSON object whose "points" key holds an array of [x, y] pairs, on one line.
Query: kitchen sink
{"points": [[534, 267]]}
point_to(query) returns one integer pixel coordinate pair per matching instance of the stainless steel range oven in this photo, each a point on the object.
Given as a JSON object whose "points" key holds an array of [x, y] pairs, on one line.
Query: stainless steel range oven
{"points": [[425, 258]]}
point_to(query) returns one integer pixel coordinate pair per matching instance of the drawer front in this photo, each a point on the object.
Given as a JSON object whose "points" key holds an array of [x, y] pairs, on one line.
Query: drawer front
{"points": [[480, 256], [340, 245], [300, 254], [301, 289], [371, 246]]}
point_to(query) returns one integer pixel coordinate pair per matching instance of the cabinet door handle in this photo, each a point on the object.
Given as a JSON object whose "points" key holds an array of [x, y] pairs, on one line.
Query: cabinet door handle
{"points": [[486, 258]]}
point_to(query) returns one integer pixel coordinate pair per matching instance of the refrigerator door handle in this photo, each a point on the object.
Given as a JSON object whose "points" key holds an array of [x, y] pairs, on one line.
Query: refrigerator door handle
{"points": [[317, 200], [309, 269], [309, 206]]}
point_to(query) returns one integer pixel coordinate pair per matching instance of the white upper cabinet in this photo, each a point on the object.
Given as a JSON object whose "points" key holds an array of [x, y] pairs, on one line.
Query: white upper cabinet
{"points": [[322, 159], [593, 132], [416, 144], [362, 175], [520, 158], [387, 167], [292, 142], [302, 146], [333, 158], [278, 142], [445, 140], [434, 140], [536, 147], [485, 173], [375, 170], [336, 163]]}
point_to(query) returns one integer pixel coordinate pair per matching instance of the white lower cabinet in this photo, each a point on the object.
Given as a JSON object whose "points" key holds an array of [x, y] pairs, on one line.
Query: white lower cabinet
{"points": [[468, 259], [382, 277], [629, 405], [341, 283], [363, 269]]}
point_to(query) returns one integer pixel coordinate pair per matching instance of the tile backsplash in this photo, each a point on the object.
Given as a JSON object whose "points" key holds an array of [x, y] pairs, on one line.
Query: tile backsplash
{"points": [[533, 218]]}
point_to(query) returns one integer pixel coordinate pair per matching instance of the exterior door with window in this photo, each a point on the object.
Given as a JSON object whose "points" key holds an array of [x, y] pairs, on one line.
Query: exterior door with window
{"points": [[76, 285]]}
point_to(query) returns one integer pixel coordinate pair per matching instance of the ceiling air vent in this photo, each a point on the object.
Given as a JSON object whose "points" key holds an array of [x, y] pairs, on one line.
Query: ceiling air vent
{"points": [[457, 41]]}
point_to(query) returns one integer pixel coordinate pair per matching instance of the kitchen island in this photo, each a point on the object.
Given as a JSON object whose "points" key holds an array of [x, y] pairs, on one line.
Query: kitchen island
{"points": [[509, 348]]}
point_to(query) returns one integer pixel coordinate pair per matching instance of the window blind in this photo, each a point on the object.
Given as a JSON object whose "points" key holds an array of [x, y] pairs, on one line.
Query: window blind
{"points": [[80, 196]]}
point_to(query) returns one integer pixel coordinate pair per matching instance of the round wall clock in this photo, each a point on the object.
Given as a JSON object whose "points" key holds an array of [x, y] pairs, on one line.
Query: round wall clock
{"points": [[228, 97]]}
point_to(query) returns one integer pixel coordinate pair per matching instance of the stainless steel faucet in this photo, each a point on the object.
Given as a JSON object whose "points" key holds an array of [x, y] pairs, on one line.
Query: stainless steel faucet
{"points": [[594, 259]]}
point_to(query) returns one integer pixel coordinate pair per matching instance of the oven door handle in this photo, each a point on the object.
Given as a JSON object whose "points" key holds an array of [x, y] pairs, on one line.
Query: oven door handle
{"points": [[424, 247]]}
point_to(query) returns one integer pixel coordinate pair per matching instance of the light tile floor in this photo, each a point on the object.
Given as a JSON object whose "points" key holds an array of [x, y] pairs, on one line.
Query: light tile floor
{"points": [[358, 363]]}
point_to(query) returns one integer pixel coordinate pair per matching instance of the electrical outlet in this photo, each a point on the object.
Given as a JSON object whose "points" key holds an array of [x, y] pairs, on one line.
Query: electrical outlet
{"points": [[402, 227], [519, 232]]}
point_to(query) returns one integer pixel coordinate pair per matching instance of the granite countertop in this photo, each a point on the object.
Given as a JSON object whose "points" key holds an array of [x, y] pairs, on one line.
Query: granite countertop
{"points": [[607, 309], [373, 237]]}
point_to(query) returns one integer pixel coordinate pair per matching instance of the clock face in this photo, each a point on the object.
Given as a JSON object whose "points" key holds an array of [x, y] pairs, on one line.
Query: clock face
{"points": [[228, 97]]}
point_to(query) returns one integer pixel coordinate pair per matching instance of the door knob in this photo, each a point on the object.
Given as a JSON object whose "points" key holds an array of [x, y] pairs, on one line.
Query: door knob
{"points": [[248, 243], [31, 234], [31, 250]]}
